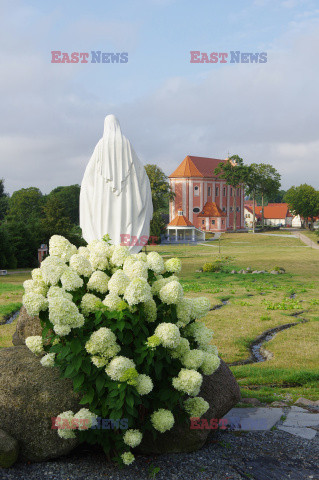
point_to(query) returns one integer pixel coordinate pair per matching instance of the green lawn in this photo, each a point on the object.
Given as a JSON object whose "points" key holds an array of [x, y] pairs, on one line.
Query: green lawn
{"points": [[255, 303], [11, 291]]}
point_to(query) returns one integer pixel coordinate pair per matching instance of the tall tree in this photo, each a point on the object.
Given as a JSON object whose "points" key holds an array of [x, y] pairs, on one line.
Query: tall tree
{"points": [[236, 174], [269, 183], [55, 220], [69, 197], [161, 191], [253, 183], [304, 201], [4, 200], [25, 204]]}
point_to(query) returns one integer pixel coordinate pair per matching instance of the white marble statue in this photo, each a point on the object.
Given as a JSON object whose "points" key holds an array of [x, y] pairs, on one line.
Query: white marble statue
{"points": [[115, 194]]}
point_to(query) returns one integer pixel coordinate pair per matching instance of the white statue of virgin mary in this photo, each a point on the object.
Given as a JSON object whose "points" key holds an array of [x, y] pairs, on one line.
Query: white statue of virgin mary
{"points": [[115, 194]]}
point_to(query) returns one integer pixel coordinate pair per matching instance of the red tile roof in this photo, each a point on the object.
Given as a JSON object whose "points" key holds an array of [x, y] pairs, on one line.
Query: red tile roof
{"points": [[196, 167], [211, 210], [180, 221], [249, 208], [275, 210]]}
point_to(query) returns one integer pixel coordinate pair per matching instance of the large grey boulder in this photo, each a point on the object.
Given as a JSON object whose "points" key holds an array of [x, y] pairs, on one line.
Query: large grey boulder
{"points": [[30, 395], [27, 326], [222, 393], [9, 450]]}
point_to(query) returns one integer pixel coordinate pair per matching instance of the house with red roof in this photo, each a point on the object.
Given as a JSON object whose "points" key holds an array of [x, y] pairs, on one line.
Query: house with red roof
{"points": [[274, 214], [203, 199]]}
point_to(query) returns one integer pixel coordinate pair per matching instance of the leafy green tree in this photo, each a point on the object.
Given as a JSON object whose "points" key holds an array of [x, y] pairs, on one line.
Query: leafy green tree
{"points": [[161, 191], [7, 258], [304, 201], [25, 239], [4, 200], [69, 197], [269, 183], [55, 220], [236, 174], [253, 182], [25, 204], [157, 226], [277, 197]]}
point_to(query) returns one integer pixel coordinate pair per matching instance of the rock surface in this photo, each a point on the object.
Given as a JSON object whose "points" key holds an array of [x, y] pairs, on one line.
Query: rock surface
{"points": [[30, 395], [222, 392], [27, 326], [9, 450]]}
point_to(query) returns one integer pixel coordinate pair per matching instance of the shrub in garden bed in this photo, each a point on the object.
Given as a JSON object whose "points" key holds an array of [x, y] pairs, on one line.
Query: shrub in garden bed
{"points": [[120, 327]]}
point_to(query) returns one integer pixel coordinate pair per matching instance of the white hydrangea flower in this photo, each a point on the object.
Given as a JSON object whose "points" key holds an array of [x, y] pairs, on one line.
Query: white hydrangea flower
{"points": [[182, 348], [144, 384], [118, 283], [120, 253], [99, 282], [142, 257], [193, 359], [160, 282], [35, 344], [99, 254], [84, 252], [210, 363], [162, 420], [155, 262], [200, 307], [150, 310], [184, 311], [99, 362], [52, 269], [169, 334], [37, 275], [35, 286], [81, 265], [89, 417], [112, 301], [34, 303], [100, 341], [200, 333], [171, 293], [173, 265], [65, 432], [118, 366], [134, 268], [61, 247], [58, 292], [62, 330], [127, 458], [48, 360], [210, 349], [90, 303], [188, 381], [196, 407], [138, 291], [132, 437], [71, 280], [64, 312]]}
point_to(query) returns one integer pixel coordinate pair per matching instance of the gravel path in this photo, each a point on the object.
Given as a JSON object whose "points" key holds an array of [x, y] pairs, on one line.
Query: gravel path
{"points": [[271, 455]]}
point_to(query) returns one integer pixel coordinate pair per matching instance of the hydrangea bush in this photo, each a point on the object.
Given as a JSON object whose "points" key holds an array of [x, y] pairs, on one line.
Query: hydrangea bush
{"points": [[119, 326]]}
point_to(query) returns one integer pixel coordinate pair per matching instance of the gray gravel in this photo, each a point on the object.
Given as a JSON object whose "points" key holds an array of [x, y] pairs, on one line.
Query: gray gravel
{"points": [[272, 455]]}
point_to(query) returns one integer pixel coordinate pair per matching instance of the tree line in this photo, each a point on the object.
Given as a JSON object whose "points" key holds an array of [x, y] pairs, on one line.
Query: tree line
{"points": [[262, 184], [29, 218]]}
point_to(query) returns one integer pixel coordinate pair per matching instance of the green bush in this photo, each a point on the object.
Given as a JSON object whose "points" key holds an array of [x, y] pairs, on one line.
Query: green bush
{"points": [[119, 327]]}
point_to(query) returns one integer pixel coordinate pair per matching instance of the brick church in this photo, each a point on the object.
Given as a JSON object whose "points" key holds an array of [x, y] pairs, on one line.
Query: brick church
{"points": [[202, 200]]}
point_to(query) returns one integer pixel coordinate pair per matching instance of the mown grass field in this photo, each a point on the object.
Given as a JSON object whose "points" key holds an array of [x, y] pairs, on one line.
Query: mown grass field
{"points": [[255, 303]]}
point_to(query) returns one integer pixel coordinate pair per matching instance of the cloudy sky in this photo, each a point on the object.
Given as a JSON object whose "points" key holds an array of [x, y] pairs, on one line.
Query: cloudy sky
{"points": [[52, 115]]}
